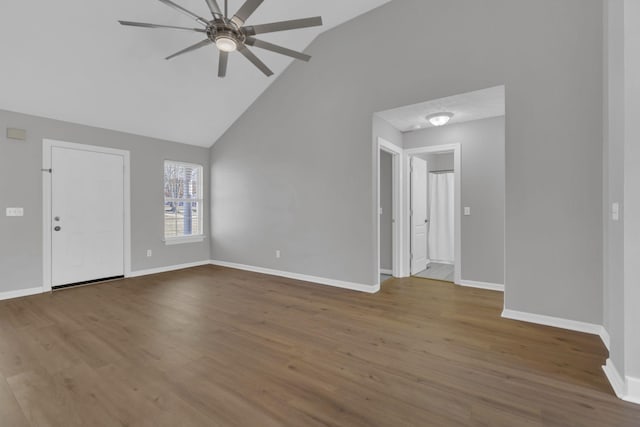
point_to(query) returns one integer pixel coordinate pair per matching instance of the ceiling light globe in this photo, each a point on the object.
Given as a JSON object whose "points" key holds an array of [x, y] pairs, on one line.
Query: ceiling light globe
{"points": [[226, 44], [439, 119]]}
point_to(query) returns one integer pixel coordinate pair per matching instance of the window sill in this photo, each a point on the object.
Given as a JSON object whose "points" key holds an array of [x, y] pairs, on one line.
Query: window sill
{"points": [[183, 240]]}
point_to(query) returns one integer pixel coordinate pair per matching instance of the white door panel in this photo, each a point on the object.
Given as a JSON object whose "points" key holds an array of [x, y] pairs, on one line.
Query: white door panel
{"points": [[418, 215], [87, 204]]}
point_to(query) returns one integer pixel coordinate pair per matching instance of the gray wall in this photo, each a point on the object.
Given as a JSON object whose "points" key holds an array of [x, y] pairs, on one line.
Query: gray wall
{"points": [[384, 130], [482, 154], [631, 193], [386, 203], [21, 186], [442, 161], [614, 180], [296, 171], [621, 177]]}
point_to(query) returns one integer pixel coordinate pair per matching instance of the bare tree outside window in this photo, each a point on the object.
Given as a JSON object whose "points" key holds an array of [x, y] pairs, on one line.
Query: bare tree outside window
{"points": [[182, 200]]}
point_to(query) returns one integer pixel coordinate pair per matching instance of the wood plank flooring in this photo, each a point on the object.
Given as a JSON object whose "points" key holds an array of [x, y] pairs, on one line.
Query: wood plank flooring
{"points": [[211, 346]]}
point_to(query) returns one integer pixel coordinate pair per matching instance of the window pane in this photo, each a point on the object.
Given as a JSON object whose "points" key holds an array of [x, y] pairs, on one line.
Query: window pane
{"points": [[183, 196]]}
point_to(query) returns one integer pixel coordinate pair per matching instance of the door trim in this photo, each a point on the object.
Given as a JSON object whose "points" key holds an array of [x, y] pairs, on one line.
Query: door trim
{"points": [[47, 145], [398, 217], [457, 270]]}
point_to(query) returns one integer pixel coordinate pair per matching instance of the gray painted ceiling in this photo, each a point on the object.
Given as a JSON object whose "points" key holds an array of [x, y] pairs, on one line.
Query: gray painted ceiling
{"points": [[477, 105], [70, 60]]}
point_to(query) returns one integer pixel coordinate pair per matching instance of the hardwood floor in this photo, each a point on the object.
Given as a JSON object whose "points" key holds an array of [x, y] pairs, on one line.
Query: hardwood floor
{"points": [[213, 346]]}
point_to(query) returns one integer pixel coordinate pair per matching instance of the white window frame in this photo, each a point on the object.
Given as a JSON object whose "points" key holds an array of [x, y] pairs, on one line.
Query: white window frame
{"points": [[196, 237]]}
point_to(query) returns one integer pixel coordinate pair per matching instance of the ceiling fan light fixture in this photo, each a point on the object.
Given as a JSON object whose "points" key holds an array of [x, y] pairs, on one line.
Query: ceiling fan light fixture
{"points": [[439, 119], [226, 43]]}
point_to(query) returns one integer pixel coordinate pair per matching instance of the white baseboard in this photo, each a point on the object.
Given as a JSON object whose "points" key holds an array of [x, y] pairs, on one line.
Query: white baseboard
{"points": [[629, 390], [604, 335], [372, 289], [557, 322], [633, 390], [439, 261], [482, 285], [615, 379], [20, 293], [167, 268], [387, 272]]}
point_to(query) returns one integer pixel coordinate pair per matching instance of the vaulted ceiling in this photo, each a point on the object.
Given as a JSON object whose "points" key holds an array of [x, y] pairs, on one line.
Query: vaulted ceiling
{"points": [[71, 60]]}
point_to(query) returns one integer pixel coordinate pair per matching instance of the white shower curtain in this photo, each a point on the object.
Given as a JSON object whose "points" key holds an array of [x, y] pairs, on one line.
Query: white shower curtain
{"points": [[441, 219]]}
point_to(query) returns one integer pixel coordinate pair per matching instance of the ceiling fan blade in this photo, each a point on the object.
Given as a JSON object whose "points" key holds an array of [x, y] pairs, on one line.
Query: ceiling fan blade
{"points": [[245, 12], [214, 8], [222, 64], [255, 60], [283, 26], [277, 49], [171, 27], [198, 45], [181, 9]]}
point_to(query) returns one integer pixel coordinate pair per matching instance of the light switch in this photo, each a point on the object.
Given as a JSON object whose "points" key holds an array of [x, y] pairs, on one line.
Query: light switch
{"points": [[15, 212], [615, 211], [467, 211]]}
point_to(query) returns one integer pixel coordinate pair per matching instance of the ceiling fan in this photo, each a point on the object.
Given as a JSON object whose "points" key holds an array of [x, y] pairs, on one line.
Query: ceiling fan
{"points": [[230, 34]]}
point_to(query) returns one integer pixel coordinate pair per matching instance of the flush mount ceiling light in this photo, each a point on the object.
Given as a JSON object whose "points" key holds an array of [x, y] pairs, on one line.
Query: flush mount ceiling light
{"points": [[439, 119]]}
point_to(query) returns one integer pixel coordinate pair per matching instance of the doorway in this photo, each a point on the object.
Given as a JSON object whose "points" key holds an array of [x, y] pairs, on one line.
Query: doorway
{"points": [[388, 212], [432, 215], [433, 210], [86, 214]]}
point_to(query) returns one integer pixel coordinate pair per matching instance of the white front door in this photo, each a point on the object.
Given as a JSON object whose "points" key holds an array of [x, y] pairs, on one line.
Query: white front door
{"points": [[87, 216], [418, 215]]}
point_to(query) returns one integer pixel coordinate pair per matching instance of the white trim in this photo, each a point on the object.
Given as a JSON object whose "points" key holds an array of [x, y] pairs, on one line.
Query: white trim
{"points": [[387, 272], [482, 285], [628, 390], [47, 145], [20, 293], [457, 153], [604, 336], [616, 381], [167, 268], [633, 390], [439, 261], [557, 322], [185, 239], [302, 277], [398, 217]]}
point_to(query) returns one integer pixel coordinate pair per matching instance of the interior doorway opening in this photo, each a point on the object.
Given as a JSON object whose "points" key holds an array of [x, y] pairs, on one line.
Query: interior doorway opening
{"points": [[388, 212], [433, 212], [468, 204]]}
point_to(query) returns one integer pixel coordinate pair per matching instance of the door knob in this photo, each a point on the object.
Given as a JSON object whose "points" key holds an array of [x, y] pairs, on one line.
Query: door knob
{"points": [[57, 228]]}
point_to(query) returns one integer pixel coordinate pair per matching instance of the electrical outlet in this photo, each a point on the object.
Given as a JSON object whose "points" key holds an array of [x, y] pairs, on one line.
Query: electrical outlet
{"points": [[467, 211], [615, 211], [149, 253], [277, 254]]}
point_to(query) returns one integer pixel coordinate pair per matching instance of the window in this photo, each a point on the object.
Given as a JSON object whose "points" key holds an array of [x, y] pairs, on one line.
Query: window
{"points": [[183, 202]]}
